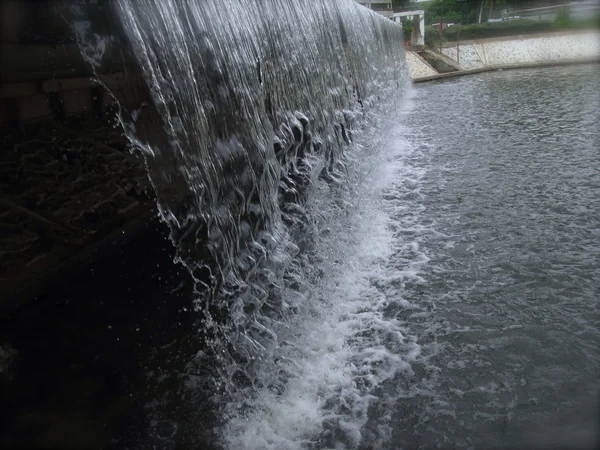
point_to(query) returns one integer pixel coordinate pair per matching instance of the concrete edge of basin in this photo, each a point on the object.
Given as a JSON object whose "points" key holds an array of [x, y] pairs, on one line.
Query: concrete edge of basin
{"points": [[460, 73]]}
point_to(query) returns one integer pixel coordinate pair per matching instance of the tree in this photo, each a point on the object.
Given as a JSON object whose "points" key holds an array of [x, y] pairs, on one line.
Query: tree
{"points": [[491, 4], [449, 11], [461, 11], [400, 4]]}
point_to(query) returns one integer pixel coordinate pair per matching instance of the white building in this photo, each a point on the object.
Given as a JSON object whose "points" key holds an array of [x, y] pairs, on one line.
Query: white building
{"points": [[418, 20], [382, 7]]}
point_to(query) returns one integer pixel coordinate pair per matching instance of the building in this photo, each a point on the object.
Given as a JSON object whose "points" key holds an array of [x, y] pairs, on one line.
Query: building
{"points": [[383, 8], [418, 21]]}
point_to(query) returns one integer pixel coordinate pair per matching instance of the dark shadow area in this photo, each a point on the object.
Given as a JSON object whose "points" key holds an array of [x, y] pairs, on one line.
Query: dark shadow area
{"points": [[96, 362]]}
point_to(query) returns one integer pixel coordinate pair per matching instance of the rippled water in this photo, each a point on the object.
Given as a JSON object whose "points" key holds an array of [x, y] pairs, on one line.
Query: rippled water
{"points": [[501, 194], [462, 311]]}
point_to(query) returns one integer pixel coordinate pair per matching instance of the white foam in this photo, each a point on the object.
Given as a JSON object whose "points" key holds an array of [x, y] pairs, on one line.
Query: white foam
{"points": [[336, 354]]}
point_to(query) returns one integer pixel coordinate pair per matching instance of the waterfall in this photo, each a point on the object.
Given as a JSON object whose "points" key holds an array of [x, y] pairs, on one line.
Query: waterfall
{"points": [[253, 107], [258, 99]]}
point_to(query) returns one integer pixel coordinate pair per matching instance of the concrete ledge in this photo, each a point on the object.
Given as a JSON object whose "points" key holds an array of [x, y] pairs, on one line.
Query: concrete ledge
{"points": [[504, 67]]}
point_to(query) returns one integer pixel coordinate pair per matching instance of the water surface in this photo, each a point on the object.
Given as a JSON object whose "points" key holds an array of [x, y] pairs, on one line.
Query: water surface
{"points": [[501, 192]]}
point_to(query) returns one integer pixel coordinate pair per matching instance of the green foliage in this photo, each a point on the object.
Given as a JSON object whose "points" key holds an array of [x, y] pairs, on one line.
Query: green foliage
{"points": [[462, 11], [432, 37], [503, 29], [407, 29], [563, 18], [446, 10], [399, 4]]}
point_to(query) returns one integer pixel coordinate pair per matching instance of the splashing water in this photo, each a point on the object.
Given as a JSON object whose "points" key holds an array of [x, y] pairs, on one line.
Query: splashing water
{"points": [[256, 107], [267, 116]]}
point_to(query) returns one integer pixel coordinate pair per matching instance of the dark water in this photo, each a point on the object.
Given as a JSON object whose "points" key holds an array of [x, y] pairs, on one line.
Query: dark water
{"points": [[86, 364], [503, 189]]}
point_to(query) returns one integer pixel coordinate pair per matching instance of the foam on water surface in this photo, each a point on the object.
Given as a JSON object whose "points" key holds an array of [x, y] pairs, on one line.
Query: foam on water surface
{"points": [[343, 347]]}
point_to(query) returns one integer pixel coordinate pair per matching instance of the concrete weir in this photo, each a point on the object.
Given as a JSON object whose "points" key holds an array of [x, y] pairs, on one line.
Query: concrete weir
{"points": [[71, 184]]}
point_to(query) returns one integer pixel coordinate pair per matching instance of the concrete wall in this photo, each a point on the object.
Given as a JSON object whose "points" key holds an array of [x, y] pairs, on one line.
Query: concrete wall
{"points": [[44, 75], [542, 49]]}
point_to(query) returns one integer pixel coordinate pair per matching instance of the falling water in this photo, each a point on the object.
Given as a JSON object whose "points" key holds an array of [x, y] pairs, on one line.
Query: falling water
{"points": [[264, 113], [258, 100]]}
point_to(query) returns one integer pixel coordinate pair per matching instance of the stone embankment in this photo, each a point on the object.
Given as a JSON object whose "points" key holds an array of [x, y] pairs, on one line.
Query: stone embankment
{"points": [[417, 66], [511, 52]]}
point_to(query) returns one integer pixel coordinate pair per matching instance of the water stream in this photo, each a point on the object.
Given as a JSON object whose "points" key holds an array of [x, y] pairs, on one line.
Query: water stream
{"points": [[271, 120]]}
